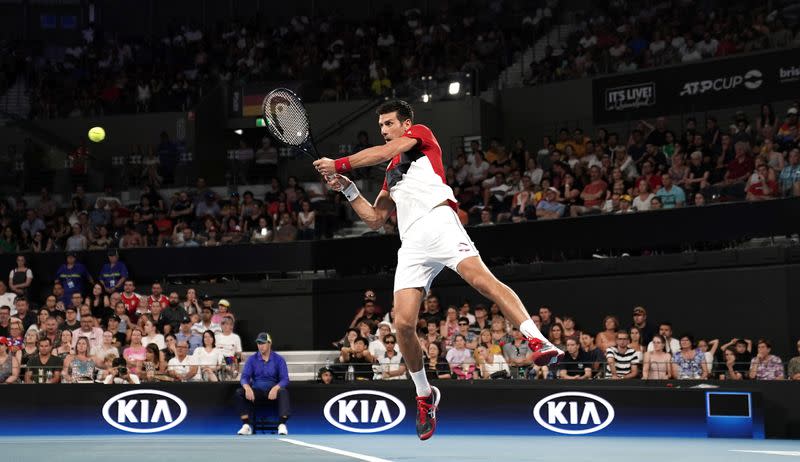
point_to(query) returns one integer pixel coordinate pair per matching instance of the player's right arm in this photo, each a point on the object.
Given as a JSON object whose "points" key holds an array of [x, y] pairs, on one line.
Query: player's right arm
{"points": [[374, 215]]}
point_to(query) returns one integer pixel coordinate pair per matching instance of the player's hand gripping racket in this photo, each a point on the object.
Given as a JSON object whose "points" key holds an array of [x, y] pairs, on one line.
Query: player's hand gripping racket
{"points": [[287, 120]]}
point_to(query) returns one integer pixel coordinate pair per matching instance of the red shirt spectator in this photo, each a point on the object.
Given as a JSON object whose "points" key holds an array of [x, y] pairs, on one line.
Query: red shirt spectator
{"points": [[760, 186], [741, 166]]}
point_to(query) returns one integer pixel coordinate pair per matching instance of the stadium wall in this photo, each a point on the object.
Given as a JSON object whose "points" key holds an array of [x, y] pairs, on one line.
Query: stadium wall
{"points": [[605, 409]]}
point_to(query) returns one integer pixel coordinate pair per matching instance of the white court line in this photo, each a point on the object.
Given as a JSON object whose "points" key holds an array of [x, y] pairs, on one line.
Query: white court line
{"points": [[340, 452], [773, 453]]}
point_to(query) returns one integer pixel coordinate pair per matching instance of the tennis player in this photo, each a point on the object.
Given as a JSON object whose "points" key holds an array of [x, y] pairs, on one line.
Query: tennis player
{"points": [[432, 237]]}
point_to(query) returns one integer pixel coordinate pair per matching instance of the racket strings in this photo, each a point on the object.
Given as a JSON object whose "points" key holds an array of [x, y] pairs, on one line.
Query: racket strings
{"points": [[286, 118]]}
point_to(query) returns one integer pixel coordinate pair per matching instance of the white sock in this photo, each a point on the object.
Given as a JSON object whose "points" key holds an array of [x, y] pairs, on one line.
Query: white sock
{"points": [[529, 330], [421, 382]]}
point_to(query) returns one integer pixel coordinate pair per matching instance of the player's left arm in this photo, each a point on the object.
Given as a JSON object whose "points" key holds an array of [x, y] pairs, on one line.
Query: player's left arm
{"points": [[366, 157]]}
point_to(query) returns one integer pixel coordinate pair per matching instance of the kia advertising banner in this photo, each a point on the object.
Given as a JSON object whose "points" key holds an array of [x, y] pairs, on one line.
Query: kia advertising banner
{"points": [[510, 408], [701, 86]]}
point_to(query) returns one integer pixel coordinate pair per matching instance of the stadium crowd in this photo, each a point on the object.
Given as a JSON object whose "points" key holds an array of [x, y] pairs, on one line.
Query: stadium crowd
{"points": [[105, 73], [627, 35], [464, 342], [100, 329], [657, 165]]}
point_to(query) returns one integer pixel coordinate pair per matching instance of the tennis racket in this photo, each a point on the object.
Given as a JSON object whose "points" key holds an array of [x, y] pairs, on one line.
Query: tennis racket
{"points": [[287, 120]]}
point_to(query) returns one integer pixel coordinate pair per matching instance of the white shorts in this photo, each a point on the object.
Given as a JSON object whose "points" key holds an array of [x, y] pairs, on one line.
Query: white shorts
{"points": [[434, 241]]}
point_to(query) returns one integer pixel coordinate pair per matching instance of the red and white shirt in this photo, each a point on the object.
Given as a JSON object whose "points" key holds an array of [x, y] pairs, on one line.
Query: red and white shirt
{"points": [[415, 179], [162, 300], [132, 303]]}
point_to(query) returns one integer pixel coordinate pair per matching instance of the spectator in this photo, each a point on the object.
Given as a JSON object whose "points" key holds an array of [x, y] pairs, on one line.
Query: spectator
{"points": [[119, 373], [229, 343], [575, 365], [88, 330], [789, 131], [765, 365], [77, 241], [636, 341], [19, 279], [391, 365], [517, 354], [689, 362], [460, 359], [481, 320], [206, 323], [27, 317], [759, 187], [794, 365], [71, 320], [731, 372], [594, 355], [671, 345], [646, 329], [789, 177], [113, 274], [306, 219], [641, 203], [9, 363], [491, 365], [44, 367], [7, 299], [592, 195], [622, 361], [376, 347], [435, 365], [549, 207], [709, 349], [286, 231], [188, 335], [657, 363], [106, 348], [151, 335], [607, 338], [80, 367], [183, 367], [671, 196], [32, 224], [208, 358], [359, 358], [325, 375], [135, 353], [367, 313]]}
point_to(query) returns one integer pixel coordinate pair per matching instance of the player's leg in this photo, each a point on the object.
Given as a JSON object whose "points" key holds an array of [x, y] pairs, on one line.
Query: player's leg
{"points": [[476, 274], [406, 309]]}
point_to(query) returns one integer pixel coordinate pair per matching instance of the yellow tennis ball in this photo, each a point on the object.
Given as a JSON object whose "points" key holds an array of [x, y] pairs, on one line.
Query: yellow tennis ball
{"points": [[97, 134]]}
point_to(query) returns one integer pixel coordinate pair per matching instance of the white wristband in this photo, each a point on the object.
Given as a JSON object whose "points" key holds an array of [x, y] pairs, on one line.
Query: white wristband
{"points": [[351, 192]]}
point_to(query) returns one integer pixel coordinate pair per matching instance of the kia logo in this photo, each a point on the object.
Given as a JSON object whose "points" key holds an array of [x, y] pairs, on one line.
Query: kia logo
{"points": [[573, 413], [364, 411], [144, 411]]}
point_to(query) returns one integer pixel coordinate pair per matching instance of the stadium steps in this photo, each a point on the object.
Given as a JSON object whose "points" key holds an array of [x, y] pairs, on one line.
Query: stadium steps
{"points": [[514, 75], [15, 101], [303, 365]]}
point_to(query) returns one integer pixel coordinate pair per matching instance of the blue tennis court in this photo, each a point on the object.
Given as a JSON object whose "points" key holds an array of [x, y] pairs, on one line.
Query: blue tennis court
{"points": [[370, 448]]}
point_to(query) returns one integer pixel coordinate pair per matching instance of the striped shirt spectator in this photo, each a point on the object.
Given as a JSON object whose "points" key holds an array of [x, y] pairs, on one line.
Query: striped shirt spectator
{"points": [[622, 360]]}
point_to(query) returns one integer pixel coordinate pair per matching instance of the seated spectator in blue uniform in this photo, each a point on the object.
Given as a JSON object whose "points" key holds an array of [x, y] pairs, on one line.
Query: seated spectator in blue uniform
{"points": [[264, 378], [113, 274]]}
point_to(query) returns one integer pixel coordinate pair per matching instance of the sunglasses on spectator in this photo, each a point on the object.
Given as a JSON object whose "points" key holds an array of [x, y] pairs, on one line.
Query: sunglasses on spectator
{"points": [[463, 324], [390, 341]]}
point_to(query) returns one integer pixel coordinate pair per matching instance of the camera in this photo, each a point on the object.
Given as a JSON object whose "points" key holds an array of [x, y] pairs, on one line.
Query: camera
{"points": [[122, 371]]}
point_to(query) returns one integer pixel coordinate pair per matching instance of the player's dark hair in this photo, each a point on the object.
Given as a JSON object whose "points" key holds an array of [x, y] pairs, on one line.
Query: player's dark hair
{"points": [[403, 109]]}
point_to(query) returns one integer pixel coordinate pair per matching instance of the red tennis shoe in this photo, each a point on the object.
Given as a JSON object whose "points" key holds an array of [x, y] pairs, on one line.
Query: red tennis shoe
{"points": [[426, 413], [544, 352]]}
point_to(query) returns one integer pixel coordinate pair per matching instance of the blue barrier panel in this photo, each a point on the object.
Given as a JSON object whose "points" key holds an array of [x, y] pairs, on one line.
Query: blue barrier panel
{"points": [[368, 408]]}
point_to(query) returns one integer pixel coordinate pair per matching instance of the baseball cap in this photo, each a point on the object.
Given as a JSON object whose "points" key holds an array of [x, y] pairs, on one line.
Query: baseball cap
{"points": [[224, 303], [113, 253], [263, 337], [639, 310], [72, 253], [552, 189], [792, 110], [385, 323], [185, 320], [205, 297], [625, 198]]}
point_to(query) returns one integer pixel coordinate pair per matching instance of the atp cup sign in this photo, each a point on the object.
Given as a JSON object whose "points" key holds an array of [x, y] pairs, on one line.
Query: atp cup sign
{"points": [[573, 413]]}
